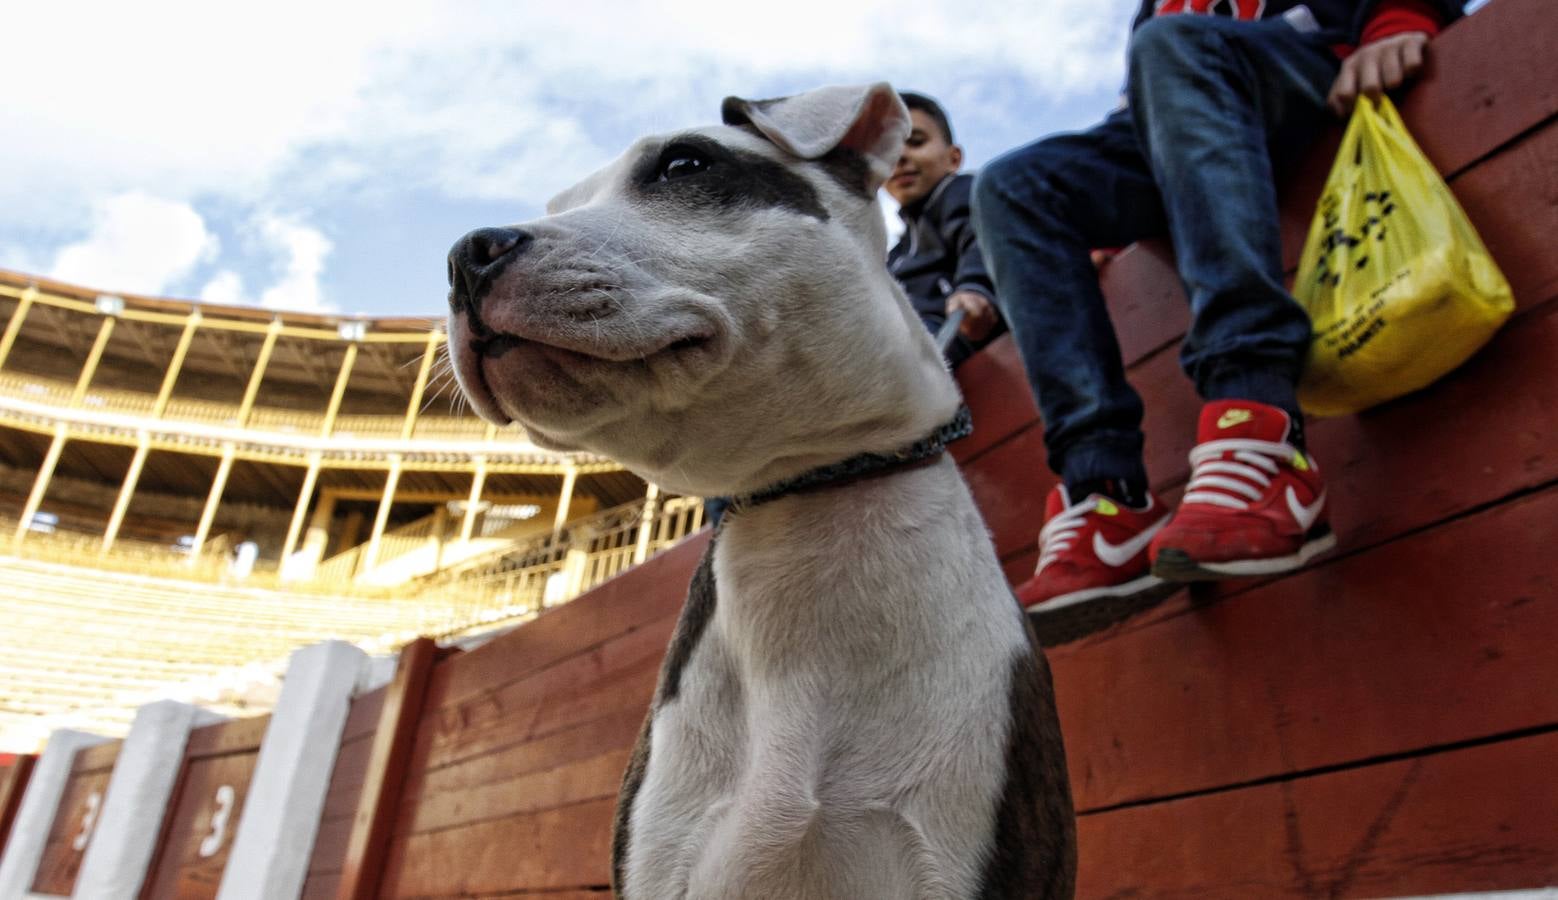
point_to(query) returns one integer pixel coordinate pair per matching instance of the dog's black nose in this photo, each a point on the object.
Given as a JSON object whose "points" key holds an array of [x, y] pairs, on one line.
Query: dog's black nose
{"points": [[477, 258]]}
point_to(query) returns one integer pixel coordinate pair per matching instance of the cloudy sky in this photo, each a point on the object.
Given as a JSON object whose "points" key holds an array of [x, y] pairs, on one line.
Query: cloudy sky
{"points": [[323, 155]]}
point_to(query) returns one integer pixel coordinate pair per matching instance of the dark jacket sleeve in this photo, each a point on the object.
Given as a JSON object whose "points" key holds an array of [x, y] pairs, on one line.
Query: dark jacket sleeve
{"points": [[957, 234]]}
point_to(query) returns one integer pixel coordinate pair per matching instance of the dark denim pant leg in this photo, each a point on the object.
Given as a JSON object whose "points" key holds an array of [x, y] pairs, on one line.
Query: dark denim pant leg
{"points": [[1039, 211], [1211, 99]]}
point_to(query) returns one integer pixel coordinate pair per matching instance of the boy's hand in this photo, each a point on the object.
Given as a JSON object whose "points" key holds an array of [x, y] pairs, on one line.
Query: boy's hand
{"points": [[979, 316], [1376, 68]]}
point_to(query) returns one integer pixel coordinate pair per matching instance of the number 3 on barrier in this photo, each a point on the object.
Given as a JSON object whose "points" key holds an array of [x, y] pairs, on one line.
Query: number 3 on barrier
{"points": [[94, 803], [224, 808]]}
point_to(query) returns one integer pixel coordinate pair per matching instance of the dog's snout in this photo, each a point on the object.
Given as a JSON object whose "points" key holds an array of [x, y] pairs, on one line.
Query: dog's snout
{"points": [[477, 257], [485, 246]]}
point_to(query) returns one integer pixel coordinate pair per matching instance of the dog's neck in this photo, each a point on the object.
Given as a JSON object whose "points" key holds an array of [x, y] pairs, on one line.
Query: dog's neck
{"points": [[858, 574], [863, 465]]}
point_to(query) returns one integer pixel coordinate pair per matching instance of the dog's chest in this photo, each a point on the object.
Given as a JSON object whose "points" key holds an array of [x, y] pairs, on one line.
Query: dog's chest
{"points": [[839, 731]]}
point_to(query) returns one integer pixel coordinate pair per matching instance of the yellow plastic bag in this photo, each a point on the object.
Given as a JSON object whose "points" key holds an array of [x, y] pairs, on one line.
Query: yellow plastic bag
{"points": [[1399, 287]]}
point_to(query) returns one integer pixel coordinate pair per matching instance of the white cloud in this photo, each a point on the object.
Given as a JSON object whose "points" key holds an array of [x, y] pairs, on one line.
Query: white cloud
{"points": [[304, 249], [187, 98], [234, 110], [225, 287], [299, 252], [137, 243]]}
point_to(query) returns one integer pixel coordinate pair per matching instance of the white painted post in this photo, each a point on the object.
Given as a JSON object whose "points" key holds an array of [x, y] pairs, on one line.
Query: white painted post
{"points": [[30, 831], [138, 793], [286, 796]]}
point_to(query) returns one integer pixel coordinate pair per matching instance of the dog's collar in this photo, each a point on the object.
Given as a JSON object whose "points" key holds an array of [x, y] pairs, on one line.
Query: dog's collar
{"points": [[922, 452]]}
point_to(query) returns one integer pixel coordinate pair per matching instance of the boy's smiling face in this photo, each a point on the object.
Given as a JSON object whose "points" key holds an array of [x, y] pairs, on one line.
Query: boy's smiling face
{"points": [[926, 159]]}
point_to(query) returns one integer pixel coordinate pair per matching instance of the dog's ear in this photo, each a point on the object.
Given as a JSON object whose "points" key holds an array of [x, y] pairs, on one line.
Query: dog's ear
{"points": [[868, 119]]}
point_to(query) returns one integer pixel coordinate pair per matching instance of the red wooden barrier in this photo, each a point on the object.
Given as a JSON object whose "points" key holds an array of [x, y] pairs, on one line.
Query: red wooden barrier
{"points": [[1404, 647], [523, 743], [15, 770], [207, 803], [1477, 819], [75, 819]]}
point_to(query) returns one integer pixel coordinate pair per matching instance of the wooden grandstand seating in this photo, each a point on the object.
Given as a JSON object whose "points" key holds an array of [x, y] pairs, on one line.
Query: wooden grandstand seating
{"points": [[1379, 724], [207, 805], [75, 819], [15, 770], [134, 636]]}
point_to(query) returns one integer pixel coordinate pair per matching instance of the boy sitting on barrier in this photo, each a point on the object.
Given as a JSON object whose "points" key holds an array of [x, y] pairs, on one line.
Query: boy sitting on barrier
{"points": [[1210, 99], [937, 259]]}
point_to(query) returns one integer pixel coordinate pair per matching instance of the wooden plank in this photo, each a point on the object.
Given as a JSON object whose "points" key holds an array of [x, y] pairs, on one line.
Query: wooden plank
{"points": [[1441, 637], [608, 610], [13, 784], [321, 886], [204, 816], [1489, 78], [343, 795], [347, 778], [626, 692], [1512, 199], [516, 711], [552, 850], [330, 846], [363, 716], [582, 741], [96, 758], [995, 387], [232, 736], [1009, 484], [594, 778], [1146, 298], [72, 829], [1473, 820], [374, 821]]}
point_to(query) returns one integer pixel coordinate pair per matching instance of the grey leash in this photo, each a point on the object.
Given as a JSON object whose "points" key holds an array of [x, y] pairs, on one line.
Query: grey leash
{"points": [[949, 330]]}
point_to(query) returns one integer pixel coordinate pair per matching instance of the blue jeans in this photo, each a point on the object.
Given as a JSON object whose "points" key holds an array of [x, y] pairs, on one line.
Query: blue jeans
{"points": [[1211, 100]]}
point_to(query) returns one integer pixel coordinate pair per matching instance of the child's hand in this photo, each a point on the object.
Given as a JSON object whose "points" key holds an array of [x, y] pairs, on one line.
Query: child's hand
{"points": [[979, 315], [1376, 68]]}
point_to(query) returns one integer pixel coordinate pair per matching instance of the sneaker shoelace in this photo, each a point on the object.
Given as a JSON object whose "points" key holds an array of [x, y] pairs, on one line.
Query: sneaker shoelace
{"points": [[1245, 472], [1058, 533]]}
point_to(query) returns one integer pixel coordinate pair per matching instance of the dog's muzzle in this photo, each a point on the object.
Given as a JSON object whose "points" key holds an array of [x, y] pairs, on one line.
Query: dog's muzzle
{"points": [[475, 262]]}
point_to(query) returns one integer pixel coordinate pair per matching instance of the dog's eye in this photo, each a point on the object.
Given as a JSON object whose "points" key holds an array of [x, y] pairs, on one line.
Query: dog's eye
{"points": [[681, 162]]}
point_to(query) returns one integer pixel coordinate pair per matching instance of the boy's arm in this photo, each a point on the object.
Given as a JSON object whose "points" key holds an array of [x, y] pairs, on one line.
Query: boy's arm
{"points": [[957, 233], [1391, 49], [973, 291]]}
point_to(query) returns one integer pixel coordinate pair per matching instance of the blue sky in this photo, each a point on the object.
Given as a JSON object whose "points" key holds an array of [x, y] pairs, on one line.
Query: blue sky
{"points": [[324, 155]]}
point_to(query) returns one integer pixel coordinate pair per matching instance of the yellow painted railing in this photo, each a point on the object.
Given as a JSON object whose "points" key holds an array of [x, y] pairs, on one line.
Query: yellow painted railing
{"points": [[280, 421]]}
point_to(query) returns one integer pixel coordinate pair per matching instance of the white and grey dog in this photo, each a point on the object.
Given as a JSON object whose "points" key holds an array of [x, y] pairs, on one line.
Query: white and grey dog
{"points": [[853, 705]]}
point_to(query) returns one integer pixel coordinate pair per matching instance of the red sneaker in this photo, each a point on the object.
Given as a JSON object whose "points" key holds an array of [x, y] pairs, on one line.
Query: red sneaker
{"points": [[1093, 566], [1255, 504]]}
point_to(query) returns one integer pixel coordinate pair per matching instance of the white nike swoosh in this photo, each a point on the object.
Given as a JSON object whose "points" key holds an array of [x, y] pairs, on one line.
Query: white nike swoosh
{"points": [[1117, 555], [1306, 515]]}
